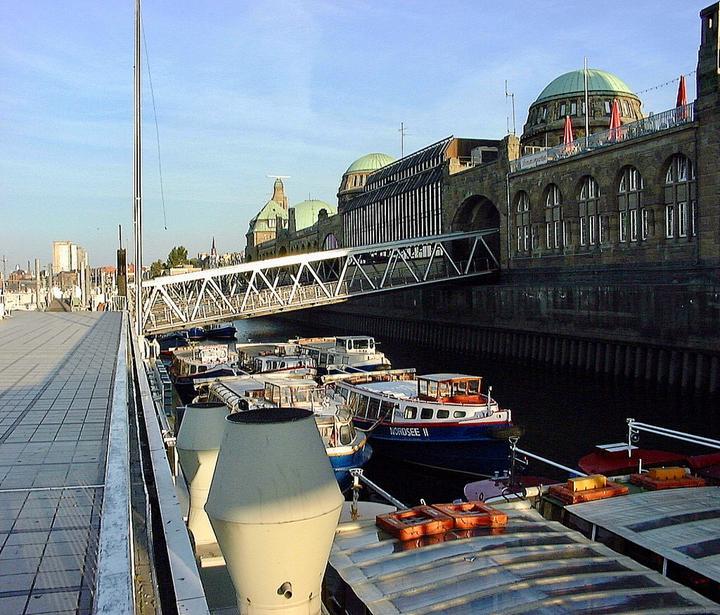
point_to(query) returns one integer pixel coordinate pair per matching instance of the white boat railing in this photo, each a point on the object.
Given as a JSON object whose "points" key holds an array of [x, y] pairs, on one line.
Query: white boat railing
{"points": [[635, 427], [514, 449]]}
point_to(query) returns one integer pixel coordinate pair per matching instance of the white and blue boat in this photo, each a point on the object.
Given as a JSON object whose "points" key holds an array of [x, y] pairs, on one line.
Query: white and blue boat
{"points": [[443, 421], [346, 446], [344, 353]]}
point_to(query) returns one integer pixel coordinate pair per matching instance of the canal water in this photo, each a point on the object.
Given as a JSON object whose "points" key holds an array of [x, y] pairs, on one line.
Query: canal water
{"points": [[563, 414]]}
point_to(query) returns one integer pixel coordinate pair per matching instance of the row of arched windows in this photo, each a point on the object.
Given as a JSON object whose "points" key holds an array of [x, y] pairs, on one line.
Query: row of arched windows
{"points": [[635, 220]]}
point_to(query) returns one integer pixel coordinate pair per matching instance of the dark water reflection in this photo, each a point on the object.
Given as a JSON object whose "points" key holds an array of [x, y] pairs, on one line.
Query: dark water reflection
{"points": [[564, 414]]}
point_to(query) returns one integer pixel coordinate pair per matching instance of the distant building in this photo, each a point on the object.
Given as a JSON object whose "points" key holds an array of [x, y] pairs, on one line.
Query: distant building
{"points": [[354, 179], [272, 216], [68, 256]]}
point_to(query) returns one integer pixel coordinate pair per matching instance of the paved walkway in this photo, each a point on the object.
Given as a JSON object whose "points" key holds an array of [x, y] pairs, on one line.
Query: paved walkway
{"points": [[56, 378]]}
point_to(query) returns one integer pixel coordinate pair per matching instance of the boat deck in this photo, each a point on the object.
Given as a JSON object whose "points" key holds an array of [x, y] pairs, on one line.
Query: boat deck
{"points": [[531, 566], [57, 373]]}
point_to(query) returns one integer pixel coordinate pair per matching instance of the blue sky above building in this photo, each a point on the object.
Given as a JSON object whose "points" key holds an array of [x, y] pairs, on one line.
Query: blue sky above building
{"points": [[247, 90]]}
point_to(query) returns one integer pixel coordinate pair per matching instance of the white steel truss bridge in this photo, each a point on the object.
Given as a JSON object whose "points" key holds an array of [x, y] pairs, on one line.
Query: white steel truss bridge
{"points": [[302, 281]]}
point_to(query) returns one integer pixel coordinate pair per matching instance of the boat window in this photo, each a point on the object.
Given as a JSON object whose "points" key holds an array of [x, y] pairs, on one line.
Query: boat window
{"points": [[362, 405], [422, 387], [432, 389], [473, 387], [202, 368], [346, 435], [323, 358], [444, 389], [426, 413], [371, 344], [269, 392], [386, 408], [344, 394], [373, 408], [349, 345], [301, 395], [459, 414], [410, 412], [282, 363], [443, 414], [360, 344], [460, 388], [285, 397]]}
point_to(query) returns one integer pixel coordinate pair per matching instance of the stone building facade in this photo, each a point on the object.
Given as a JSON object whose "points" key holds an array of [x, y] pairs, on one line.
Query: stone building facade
{"points": [[609, 253]]}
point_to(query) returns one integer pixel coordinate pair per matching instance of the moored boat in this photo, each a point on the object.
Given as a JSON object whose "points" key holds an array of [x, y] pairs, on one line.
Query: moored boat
{"points": [[344, 353], [276, 357], [346, 446], [196, 363], [442, 421], [221, 331]]}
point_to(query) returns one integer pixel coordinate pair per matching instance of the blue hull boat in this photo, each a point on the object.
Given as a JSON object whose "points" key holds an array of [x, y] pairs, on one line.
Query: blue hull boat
{"points": [[343, 463], [225, 331]]}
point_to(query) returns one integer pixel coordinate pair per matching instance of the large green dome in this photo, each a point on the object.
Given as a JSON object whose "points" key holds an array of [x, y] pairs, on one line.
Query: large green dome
{"points": [[370, 162], [307, 212], [571, 83]]}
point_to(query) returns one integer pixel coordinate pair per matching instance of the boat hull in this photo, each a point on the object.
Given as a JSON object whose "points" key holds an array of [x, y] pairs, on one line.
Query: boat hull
{"points": [[221, 333], [342, 464], [472, 449]]}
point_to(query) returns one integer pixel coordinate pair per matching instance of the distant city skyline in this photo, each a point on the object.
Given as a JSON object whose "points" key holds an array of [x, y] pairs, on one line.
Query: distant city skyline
{"points": [[302, 89]]}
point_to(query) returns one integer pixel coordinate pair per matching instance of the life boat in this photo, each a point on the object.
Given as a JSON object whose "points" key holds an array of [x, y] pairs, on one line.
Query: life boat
{"points": [[666, 478]]}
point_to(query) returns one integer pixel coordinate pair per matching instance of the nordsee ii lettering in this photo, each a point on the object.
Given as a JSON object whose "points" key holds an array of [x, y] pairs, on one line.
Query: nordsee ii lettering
{"points": [[405, 431]]}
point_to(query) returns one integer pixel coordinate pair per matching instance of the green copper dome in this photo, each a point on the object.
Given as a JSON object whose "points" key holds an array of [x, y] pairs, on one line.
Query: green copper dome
{"points": [[307, 212], [370, 162], [573, 83]]}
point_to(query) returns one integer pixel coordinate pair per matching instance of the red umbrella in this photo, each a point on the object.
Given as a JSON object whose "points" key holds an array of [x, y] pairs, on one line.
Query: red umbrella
{"points": [[681, 112], [682, 93], [568, 137], [614, 119]]}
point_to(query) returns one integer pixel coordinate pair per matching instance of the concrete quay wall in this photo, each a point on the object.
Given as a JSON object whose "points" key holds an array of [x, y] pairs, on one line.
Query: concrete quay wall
{"points": [[661, 332]]}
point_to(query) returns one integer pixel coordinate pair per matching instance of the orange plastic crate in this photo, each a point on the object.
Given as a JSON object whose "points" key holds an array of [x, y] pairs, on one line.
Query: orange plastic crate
{"points": [[415, 522], [610, 490], [469, 515], [655, 484]]}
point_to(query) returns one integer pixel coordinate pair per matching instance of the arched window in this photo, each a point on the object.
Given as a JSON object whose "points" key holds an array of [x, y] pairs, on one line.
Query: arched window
{"points": [[630, 191], [588, 211], [680, 199], [555, 229], [522, 220]]}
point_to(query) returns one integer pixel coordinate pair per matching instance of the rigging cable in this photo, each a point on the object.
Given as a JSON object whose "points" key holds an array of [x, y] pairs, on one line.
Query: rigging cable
{"points": [[157, 130]]}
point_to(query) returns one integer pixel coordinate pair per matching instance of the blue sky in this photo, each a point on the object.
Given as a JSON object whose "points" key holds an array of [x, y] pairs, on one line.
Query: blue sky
{"points": [[248, 89]]}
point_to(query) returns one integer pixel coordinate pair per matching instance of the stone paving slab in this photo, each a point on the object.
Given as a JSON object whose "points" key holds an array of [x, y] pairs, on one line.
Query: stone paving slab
{"points": [[56, 378]]}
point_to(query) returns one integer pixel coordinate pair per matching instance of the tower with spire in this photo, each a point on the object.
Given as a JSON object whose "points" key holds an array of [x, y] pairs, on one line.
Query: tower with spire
{"points": [[279, 194]]}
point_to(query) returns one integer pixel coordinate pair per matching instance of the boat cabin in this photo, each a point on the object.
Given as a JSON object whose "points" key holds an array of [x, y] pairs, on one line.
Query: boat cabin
{"points": [[450, 388], [295, 392], [357, 344]]}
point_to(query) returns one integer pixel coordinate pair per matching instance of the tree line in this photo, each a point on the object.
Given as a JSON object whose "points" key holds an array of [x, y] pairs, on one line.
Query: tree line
{"points": [[177, 257]]}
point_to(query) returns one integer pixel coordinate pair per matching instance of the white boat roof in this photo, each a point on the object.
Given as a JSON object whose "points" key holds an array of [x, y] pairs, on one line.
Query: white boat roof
{"points": [[682, 525], [240, 384], [531, 566], [445, 377], [403, 389], [355, 337]]}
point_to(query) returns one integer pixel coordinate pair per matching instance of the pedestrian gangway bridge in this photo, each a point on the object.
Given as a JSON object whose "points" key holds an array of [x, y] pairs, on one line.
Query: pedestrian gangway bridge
{"points": [[301, 281]]}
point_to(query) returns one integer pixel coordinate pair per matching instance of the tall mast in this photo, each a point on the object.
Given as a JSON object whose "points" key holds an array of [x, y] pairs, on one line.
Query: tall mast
{"points": [[137, 178]]}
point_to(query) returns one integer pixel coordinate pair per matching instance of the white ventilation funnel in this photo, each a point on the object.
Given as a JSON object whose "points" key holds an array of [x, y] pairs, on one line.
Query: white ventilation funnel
{"points": [[198, 444], [274, 504]]}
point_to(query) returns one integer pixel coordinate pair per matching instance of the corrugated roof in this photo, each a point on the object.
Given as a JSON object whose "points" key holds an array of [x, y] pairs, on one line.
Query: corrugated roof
{"points": [[682, 525], [531, 566]]}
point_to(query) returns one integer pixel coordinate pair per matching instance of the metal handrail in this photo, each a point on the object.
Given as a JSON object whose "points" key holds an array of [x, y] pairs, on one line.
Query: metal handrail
{"points": [[634, 427], [514, 449], [651, 124]]}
